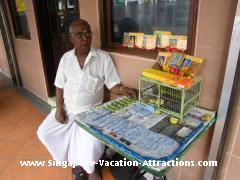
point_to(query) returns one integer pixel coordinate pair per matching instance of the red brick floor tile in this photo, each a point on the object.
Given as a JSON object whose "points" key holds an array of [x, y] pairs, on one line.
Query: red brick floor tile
{"points": [[33, 149], [9, 149], [4, 130], [19, 121], [19, 134], [16, 172], [3, 165]]}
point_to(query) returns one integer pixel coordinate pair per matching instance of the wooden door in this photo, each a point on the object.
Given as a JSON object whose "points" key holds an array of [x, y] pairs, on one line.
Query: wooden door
{"points": [[52, 19], [61, 14]]}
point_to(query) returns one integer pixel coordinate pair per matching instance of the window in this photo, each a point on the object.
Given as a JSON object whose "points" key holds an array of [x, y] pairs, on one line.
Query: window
{"points": [[19, 18], [147, 16], [61, 14]]}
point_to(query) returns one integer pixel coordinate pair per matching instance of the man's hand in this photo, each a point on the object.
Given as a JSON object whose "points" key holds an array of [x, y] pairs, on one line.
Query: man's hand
{"points": [[60, 115], [119, 89], [131, 93]]}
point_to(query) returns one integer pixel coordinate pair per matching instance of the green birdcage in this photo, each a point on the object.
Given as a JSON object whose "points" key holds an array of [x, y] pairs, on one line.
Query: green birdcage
{"points": [[176, 101]]}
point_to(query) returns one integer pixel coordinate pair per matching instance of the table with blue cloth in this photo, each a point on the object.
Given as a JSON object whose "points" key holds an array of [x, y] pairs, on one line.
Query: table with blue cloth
{"points": [[143, 134]]}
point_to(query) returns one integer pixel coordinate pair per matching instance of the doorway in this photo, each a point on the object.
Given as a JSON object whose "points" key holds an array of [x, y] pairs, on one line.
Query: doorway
{"points": [[53, 18], [8, 45]]}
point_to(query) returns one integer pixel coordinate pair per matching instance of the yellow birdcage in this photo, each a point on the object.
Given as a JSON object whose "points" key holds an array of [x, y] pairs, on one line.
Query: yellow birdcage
{"points": [[168, 94]]}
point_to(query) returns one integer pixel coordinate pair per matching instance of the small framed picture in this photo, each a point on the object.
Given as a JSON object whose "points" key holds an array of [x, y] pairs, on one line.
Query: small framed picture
{"points": [[179, 42], [182, 43], [176, 59], [173, 42], [150, 42], [192, 63], [133, 39], [162, 36], [139, 41], [125, 39], [162, 60]]}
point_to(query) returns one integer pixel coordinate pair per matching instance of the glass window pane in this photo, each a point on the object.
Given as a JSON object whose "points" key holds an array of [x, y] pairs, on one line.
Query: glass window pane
{"points": [[148, 16], [71, 4], [61, 5], [61, 24], [19, 18]]}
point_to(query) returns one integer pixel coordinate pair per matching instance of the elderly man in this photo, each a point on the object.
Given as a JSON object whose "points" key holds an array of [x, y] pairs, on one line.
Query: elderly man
{"points": [[79, 82]]}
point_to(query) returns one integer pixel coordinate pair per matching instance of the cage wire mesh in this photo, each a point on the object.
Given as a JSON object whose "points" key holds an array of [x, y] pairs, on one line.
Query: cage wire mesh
{"points": [[149, 92], [173, 100]]}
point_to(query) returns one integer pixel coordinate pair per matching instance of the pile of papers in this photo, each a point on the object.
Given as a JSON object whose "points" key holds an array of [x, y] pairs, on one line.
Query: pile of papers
{"points": [[135, 126]]}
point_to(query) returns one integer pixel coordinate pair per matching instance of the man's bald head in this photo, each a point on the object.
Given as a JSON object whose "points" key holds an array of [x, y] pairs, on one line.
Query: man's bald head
{"points": [[81, 36], [78, 23]]}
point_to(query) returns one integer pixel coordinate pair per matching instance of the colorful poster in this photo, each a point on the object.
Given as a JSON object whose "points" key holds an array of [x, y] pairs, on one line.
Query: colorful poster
{"points": [[151, 42], [20, 5], [159, 34]]}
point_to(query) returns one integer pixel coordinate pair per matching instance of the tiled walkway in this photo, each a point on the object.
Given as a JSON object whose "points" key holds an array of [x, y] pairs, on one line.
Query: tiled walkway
{"points": [[19, 121]]}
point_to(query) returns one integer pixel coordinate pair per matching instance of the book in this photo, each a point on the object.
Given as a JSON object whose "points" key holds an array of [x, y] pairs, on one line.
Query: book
{"points": [[149, 42], [173, 41], [125, 39], [176, 59], [179, 42], [139, 41], [165, 40], [182, 43], [163, 60], [191, 65], [160, 41], [133, 39]]}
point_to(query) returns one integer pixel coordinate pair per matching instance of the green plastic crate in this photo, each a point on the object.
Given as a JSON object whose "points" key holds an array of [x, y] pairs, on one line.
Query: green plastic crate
{"points": [[176, 101]]}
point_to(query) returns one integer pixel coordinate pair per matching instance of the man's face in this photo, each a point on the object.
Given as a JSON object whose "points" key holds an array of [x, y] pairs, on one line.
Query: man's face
{"points": [[81, 37]]}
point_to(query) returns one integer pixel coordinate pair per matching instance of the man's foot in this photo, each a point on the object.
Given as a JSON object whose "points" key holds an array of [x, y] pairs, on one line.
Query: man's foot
{"points": [[96, 175], [78, 173]]}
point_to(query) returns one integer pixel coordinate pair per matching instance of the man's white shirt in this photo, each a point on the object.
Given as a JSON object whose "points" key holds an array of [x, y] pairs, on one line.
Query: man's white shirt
{"points": [[83, 88]]}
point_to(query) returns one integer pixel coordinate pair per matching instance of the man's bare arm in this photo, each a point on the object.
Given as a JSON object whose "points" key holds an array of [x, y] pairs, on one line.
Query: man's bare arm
{"points": [[60, 112], [123, 90]]}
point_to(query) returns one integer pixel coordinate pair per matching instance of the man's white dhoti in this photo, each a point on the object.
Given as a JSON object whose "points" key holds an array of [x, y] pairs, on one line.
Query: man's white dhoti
{"points": [[69, 142], [82, 89]]}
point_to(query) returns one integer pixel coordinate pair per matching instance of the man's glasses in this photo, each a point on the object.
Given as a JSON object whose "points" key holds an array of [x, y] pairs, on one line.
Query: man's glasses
{"points": [[82, 35]]}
